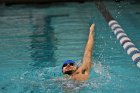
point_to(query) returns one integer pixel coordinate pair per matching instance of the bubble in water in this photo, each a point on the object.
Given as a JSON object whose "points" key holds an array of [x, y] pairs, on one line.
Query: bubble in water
{"points": [[118, 12], [110, 37], [102, 37], [112, 48], [120, 6]]}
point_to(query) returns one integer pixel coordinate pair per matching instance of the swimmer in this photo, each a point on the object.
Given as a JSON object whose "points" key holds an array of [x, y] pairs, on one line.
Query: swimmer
{"points": [[82, 72]]}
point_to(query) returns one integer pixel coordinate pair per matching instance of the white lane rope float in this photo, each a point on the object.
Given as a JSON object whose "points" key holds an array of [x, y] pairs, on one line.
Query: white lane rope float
{"points": [[127, 44]]}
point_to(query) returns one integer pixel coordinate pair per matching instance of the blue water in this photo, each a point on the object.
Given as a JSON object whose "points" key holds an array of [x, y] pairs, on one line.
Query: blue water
{"points": [[35, 40]]}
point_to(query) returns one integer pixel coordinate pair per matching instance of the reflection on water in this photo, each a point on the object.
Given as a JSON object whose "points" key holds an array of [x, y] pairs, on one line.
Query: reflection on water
{"points": [[43, 42]]}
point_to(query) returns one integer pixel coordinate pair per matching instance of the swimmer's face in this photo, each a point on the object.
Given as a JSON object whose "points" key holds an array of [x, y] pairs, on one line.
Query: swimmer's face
{"points": [[69, 68]]}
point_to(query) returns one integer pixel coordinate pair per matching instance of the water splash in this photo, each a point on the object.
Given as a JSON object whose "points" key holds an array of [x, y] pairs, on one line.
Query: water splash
{"points": [[50, 80], [99, 77], [102, 77]]}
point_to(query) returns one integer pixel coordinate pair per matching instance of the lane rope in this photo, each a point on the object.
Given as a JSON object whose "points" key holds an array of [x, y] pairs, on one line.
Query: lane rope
{"points": [[126, 42]]}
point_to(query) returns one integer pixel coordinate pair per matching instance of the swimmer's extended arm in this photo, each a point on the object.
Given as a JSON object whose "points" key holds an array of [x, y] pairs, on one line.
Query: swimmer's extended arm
{"points": [[87, 58], [82, 73]]}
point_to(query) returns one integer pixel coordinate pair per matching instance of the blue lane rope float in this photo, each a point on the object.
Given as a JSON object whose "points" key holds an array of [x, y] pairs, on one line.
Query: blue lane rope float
{"points": [[127, 44]]}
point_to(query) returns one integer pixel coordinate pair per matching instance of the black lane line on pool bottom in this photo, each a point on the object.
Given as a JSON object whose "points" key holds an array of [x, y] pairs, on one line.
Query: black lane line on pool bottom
{"points": [[104, 11]]}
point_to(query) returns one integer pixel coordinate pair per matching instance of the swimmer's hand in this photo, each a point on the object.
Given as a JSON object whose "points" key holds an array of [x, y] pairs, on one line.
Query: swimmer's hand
{"points": [[92, 28]]}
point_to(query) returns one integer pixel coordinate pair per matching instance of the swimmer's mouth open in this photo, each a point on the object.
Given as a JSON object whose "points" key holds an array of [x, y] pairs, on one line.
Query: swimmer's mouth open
{"points": [[70, 72]]}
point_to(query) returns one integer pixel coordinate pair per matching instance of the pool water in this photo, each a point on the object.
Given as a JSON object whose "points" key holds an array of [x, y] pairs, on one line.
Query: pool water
{"points": [[35, 40]]}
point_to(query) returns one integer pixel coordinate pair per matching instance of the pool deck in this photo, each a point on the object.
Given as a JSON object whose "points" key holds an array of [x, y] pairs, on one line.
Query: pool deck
{"points": [[44, 1], [38, 1]]}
